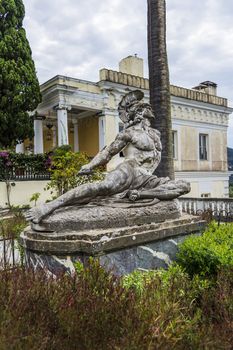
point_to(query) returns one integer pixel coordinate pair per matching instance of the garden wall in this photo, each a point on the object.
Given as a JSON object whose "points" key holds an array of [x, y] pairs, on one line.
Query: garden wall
{"points": [[21, 192]]}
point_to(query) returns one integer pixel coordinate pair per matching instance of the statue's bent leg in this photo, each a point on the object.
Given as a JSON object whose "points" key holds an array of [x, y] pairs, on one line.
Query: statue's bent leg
{"points": [[115, 182], [166, 191], [171, 189]]}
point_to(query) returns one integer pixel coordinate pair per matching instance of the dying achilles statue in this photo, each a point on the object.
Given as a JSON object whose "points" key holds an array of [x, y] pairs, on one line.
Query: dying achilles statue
{"points": [[133, 180]]}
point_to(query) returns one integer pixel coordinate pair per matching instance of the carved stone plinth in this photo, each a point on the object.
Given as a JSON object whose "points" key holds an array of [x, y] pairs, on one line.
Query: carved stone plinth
{"points": [[96, 217], [124, 239]]}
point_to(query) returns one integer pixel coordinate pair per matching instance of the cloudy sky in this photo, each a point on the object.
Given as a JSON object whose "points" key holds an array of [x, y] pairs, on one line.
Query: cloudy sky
{"points": [[78, 37]]}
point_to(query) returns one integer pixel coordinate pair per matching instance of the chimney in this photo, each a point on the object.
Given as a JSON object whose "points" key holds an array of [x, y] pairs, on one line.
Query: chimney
{"points": [[132, 65], [208, 87]]}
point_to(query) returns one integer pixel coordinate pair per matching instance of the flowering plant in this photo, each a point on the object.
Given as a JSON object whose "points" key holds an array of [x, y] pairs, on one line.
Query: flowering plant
{"points": [[64, 168]]}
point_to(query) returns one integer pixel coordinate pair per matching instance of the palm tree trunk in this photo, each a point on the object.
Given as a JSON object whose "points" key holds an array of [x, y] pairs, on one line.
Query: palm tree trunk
{"points": [[159, 82]]}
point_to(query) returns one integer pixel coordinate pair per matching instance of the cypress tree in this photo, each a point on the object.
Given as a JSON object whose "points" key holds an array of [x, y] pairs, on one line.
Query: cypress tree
{"points": [[19, 86]]}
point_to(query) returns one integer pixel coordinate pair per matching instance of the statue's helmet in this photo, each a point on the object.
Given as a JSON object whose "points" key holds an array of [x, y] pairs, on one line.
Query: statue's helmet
{"points": [[128, 101], [131, 110]]}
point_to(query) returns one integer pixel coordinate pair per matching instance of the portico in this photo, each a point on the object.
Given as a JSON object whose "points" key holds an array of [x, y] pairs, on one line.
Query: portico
{"points": [[69, 115]]}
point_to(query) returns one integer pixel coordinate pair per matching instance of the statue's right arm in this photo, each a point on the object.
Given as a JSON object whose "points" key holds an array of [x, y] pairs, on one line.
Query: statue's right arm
{"points": [[104, 156]]}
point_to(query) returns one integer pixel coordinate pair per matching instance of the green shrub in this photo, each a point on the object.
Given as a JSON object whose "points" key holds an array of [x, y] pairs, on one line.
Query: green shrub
{"points": [[231, 191], [206, 254], [64, 167], [34, 198], [174, 276], [12, 226]]}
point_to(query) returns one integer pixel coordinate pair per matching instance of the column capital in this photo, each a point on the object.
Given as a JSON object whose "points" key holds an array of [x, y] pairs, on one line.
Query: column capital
{"points": [[39, 117], [62, 106], [74, 121], [101, 114]]}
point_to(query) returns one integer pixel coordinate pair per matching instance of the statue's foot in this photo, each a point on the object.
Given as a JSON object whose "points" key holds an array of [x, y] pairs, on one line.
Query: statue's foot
{"points": [[37, 214]]}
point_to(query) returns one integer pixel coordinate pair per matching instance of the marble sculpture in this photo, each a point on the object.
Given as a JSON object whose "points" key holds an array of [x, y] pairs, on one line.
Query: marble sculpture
{"points": [[133, 182]]}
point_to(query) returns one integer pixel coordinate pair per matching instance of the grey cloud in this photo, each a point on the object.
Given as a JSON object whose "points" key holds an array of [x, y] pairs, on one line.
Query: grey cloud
{"points": [[78, 37]]}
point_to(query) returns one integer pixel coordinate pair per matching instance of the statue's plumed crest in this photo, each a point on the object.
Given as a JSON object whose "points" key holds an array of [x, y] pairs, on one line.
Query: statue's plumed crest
{"points": [[131, 97], [127, 101]]}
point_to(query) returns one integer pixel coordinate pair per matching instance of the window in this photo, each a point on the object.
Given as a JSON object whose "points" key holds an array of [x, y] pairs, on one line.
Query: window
{"points": [[205, 195], [203, 146], [174, 144]]}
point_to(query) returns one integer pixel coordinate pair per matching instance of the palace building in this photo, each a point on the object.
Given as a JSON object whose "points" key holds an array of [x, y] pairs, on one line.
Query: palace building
{"points": [[84, 114]]}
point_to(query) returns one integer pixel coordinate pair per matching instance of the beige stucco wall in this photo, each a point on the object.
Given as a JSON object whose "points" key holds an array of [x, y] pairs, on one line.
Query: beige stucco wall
{"points": [[22, 192], [218, 189], [189, 152], [110, 129], [48, 144], [188, 155], [218, 147], [88, 129], [194, 189], [215, 187]]}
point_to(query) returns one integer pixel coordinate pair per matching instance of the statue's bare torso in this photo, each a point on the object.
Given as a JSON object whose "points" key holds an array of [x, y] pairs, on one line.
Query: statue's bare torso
{"points": [[144, 147]]}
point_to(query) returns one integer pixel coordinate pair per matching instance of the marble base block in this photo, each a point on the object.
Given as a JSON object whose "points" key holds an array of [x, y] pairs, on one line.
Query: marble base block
{"points": [[141, 238]]}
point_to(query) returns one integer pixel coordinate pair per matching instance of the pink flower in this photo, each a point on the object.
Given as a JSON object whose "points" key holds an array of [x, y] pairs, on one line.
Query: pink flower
{"points": [[4, 154]]}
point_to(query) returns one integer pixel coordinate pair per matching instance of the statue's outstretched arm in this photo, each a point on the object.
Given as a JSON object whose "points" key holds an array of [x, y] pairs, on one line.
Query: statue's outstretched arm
{"points": [[104, 156]]}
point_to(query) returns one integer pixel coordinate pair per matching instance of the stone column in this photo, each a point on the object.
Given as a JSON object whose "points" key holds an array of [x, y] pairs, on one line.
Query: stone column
{"points": [[62, 125], [102, 126], [38, 138], [111, 130], [54, 136], [19, 148], [76, 139]]}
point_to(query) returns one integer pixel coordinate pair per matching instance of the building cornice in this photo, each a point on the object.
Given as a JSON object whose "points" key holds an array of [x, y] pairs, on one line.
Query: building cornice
{"points": [[198, 115], [143, 83], [63, 80]]}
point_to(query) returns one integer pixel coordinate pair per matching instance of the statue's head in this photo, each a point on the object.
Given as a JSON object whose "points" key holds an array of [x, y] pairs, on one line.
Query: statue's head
{"points": [[132, 110]]}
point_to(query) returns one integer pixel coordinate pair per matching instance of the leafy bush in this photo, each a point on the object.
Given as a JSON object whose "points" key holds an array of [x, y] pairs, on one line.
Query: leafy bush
{"points": [[11, 162], [175, 275], [34, 198], [206, 254], [94, 310], [231, 191], [64, 167], [11, 227]]}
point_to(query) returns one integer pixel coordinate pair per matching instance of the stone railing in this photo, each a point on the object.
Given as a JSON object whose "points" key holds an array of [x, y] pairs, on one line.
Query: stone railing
{"points": [[143, 83], [223, 206]]}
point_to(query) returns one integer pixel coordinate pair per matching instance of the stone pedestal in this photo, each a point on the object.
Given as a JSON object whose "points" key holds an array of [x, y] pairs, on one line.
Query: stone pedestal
{"points": [[124, 239]]}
